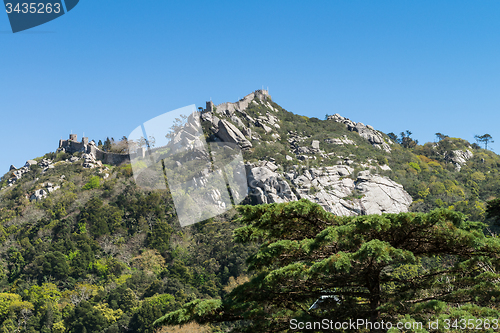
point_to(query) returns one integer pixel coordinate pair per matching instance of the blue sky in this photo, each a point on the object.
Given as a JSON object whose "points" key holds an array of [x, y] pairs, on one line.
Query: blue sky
{"points": [[108, 66]]}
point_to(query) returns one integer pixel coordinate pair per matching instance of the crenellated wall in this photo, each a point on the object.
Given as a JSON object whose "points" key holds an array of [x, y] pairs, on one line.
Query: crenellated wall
{"points": [[229, 108], [72, 146]]}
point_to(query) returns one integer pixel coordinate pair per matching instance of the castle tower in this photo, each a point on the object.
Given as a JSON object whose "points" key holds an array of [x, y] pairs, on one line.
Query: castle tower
{"points": [[210, 107], [73, 137], [85, 140], [262, 94]]}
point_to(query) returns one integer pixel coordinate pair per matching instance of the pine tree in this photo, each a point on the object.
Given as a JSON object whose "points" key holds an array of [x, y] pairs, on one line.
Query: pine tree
{"points": [[314, 266], [485, 138], [107, 145]]}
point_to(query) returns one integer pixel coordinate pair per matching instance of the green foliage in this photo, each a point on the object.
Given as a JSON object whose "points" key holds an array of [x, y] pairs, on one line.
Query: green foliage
{"points": [[101, 218], [86, 318], [114, 259], [94, 182], [150, 310], [389, 267], [415, 166], [50, 264], [72, 237], [159, 236], [428, 174]]}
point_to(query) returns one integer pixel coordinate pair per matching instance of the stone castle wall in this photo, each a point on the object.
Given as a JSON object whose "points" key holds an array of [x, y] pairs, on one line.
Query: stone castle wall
{"points": [[229, 108], [109, 158], [72, 146]]}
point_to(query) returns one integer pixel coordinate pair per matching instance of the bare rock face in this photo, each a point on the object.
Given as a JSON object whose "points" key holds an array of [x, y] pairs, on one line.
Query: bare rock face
{"points": [[18, 174], [43, 192], [90, 162], [38, 195], [266, 186], [266, 128], [208, 116], [237, 121], [459, 158], [187, 138], [331, 188], [381, 195], [30, 163], [230, 133], [365, 131], [46, 164], [341, 141]]}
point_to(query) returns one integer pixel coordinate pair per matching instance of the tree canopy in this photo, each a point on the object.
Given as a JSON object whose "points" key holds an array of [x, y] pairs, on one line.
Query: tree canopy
{"points": [[412, 267], [485, 138]]}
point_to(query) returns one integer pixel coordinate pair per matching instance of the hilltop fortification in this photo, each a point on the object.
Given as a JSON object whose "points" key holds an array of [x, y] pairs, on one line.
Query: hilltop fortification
{"points": [[73, 145], [229, 108]]}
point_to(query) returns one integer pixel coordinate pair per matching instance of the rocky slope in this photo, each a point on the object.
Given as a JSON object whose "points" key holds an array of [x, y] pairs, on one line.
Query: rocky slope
{"points": [[345, 188], [338, 163]]}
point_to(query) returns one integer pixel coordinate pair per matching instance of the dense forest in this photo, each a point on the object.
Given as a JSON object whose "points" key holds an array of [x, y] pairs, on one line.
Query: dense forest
{"points": [[100, 254], [105, 256]]}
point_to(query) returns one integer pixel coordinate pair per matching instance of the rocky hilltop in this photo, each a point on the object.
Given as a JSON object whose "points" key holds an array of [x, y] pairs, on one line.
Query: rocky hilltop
{"points": [[345, 166], [338, 183]]}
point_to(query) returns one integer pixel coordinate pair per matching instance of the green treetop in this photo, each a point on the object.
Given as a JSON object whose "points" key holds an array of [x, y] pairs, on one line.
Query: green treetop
{"points": [[390, 267]]}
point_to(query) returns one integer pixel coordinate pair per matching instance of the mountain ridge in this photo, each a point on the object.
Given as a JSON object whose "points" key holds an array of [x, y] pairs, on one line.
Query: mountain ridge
{"points": [[431, 173], [311, 164]]}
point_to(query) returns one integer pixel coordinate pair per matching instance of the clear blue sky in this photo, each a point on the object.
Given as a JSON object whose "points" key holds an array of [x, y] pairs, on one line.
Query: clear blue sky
{"points": [[108, 66]]}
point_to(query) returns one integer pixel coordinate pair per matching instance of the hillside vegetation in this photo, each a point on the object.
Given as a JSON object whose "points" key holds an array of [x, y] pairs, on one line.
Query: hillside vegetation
{"points": [[104, 256], [100, 254], [433, 173]]}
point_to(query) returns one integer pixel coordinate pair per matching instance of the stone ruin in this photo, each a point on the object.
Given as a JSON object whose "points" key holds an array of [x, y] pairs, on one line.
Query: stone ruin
{"points": [[72, 146]]}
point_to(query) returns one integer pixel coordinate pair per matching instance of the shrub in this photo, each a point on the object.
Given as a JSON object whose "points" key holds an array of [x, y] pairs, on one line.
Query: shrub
{"points": [[415, 166], [93, 183]]}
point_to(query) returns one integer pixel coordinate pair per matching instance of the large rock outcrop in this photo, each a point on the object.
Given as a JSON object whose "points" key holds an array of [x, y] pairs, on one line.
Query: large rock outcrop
{"points": [[459, 157], [330, 187], [229, 133], [381, 194], [365, 131], [266, 186], [344, 140]]}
